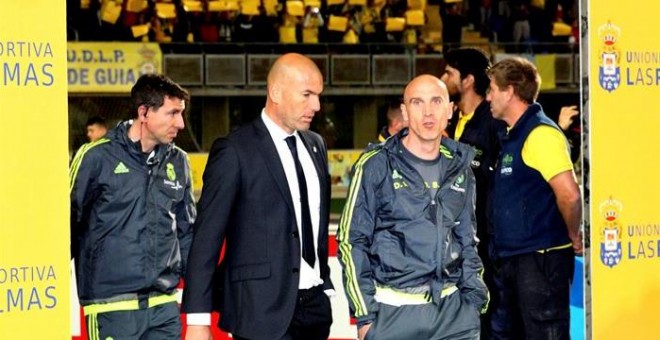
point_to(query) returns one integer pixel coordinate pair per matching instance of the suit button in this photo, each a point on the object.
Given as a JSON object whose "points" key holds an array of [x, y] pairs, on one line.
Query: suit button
{"points": [[294, 234], [295, 270]]}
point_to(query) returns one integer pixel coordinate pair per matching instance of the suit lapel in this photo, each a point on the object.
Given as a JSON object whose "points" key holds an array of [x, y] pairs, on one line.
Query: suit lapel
{"points": [[273, 162], [315, 154]]}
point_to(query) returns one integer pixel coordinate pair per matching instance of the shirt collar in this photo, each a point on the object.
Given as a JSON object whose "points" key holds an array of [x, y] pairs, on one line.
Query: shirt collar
{"points": [[276, 132]]}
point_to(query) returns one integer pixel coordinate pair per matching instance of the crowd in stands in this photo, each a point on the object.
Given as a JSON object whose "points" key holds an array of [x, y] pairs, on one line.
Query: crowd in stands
{"points": [[325, 21]]}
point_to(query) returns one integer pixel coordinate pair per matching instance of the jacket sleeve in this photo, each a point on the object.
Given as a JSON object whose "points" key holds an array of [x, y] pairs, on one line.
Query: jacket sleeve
{"points": [[221, 185], [185, 216], [471, 285], [83, 174], [355, 236]]}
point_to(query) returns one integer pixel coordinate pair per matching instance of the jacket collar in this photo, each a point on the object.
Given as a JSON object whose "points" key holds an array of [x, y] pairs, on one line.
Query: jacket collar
{"points": [[458, 153], [120, 135]]}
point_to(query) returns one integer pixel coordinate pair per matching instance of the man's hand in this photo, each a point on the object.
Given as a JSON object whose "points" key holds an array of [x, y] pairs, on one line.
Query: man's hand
{"points": [[566, 116], [198, 333], [362, 331], [578, 247]]}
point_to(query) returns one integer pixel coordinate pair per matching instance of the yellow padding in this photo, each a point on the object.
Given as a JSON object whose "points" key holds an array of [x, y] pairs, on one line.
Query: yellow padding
{"points": [[295, 8], [127, 305], [193, 6], [337, 23], [417, 4], [415, 17], [140, 30], [395, 24], [165, 10], [221, 6], [110, 12], [136, 6], [312, 3]]}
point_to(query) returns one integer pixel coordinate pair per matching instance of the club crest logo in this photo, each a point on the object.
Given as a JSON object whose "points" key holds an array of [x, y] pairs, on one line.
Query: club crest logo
{"points": [[609, 73], [171, 174], [610, 232]]}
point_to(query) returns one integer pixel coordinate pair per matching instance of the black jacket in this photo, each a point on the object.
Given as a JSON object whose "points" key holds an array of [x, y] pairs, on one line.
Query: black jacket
{"points": [[130, 218], [482, 133], [246, 203]]}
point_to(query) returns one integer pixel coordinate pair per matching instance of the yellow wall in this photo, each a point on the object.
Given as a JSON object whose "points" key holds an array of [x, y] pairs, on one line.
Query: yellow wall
{"points": [[625, 168], [34, 203]]}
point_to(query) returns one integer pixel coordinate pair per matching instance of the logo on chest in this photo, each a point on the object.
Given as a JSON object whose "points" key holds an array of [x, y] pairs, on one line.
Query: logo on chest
{"points": [[507, 169], [459, 184], [398, 181], [171, 177]]}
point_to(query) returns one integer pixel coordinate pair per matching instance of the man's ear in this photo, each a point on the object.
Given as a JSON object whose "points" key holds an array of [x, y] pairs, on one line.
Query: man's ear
{"points": [[275, 93], [142, 113], [468, 81], [510, 93], [404, 113]]}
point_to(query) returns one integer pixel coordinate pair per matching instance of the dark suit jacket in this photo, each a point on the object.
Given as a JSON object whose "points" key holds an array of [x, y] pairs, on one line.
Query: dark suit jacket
{"points": [[247, 203]]}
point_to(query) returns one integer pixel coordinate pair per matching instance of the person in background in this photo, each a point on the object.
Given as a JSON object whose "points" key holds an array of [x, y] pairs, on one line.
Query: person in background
{"points": [[131, 209], [395, 122], [96, 128], [467, 83], [266, 196], [535, 209], [407, 242], [572, 129]]}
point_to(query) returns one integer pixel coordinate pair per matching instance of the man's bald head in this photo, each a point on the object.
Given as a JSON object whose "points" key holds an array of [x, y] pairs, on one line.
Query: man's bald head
{"points": [[427, 109], [290, 65], [424, 82], [294, 86]]}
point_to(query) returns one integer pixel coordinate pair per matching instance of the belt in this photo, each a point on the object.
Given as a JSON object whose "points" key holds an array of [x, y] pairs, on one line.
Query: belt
{"points": [[393, 297], [305, 295], [143, 301]]}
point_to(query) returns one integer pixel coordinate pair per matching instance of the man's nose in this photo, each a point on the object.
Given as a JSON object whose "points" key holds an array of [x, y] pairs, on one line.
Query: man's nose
{"points": [[179, 123], [316, 104]]}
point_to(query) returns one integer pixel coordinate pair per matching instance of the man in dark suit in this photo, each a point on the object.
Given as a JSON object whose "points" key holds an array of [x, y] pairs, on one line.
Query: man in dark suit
{"points": [[266, 195]]}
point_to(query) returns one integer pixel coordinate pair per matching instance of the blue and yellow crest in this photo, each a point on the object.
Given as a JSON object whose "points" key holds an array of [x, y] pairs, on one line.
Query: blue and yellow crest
{"points": [[609, 74], [610, 232], [171, 174]]}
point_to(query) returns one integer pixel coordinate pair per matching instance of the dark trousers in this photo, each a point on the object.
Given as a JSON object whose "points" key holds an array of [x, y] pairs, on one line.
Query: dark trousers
{"points": [[155, 323], [489, 280], [311, 319], [451, 318], [534, 292]]}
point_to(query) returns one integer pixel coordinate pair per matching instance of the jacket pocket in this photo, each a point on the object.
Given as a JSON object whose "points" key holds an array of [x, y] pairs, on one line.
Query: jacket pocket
{"points": [[250, 272]]}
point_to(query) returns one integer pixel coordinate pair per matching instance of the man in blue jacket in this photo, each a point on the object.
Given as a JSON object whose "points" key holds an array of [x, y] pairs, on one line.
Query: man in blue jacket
{"points": [[406, 236], [536, 211], [131, 211]]}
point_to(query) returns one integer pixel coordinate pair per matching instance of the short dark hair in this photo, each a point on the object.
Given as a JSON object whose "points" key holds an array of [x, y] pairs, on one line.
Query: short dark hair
{"points": [[520, 74], [96, 120], [393, 111], [150, 90], [471, 61]]}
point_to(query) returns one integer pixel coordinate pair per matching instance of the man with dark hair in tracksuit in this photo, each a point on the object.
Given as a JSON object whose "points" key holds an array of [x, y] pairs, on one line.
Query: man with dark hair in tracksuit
{"points": [[406, 237], [131, 211]]}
